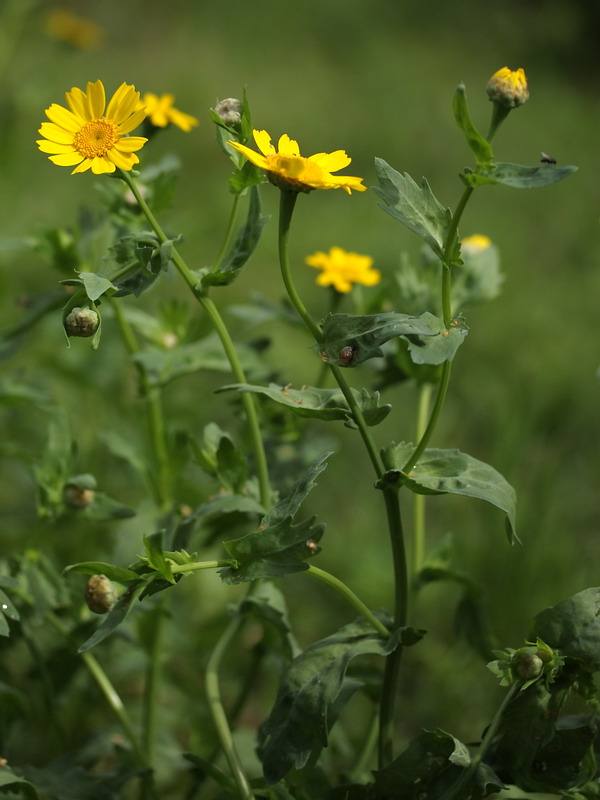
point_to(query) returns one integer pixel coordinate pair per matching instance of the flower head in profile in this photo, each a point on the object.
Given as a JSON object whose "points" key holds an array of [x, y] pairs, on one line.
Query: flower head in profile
{"points": [[74, 30], [287, 169], [342, 269], [475, 243], [508, 87], [160, 112], [87, 136]]}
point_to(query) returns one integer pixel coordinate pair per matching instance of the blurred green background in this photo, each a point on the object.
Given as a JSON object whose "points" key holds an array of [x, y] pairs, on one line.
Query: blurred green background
{"points": [[375, 78]]}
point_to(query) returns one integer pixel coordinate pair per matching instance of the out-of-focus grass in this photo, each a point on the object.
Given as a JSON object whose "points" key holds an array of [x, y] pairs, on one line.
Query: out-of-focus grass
{"points": [[376, 79]]}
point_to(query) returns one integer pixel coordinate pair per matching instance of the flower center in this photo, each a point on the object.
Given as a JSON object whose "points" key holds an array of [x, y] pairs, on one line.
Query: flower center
{"points": [[96, 138]]}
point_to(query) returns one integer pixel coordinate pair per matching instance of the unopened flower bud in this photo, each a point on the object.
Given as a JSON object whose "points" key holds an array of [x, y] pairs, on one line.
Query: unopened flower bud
{"points": [[508, 87], [527, 664], [230, 111], [82, 322], [79, 491], [100, 594]]}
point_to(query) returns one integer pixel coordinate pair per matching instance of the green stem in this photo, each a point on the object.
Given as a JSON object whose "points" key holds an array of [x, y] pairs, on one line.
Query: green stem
{"points": [[198, 565], [476, 760], [153, 681], [228, 231], [418, 553], [349, 595], [194, 284], [361, 767], [217, 711]]}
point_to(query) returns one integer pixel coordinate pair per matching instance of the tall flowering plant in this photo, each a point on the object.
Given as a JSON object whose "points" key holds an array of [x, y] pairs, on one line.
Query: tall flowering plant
{"points": [[410, 325]]}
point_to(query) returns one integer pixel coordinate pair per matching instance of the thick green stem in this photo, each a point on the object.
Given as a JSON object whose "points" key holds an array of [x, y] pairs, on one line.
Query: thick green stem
{"points": [[193, 282], [360, 772], [198, 565], [418, 550], [467, 774], [349, 595]]}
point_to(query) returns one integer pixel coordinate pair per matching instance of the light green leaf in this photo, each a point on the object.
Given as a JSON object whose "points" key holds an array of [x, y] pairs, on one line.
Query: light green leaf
{"points": [[440, 347], [480, 147], [521, 177], [112, 571], [416, 207], [453, 472], [95, 286], [153, 545], [13, 783]]}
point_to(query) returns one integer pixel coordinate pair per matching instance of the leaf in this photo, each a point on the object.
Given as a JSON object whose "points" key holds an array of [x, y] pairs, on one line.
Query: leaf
{"points": [[278, 547], [452, 472], [299, 720], [366, 333], [573, 627], [65, 779], [103, 508], [416, 207], [522, 177], [327, 404], [243, 246], [95, 286], [153, 545], [246, 176], [53, 469], [115, 617], [222, 504], [112, 571], [440, 347], [480, 147], [268, 605], [232, 467], [13, 783]]}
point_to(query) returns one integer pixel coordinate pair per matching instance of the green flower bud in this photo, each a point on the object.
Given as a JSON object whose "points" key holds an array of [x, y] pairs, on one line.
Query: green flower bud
{"points": [[82, 322], [230, 111], [78, 498], [527, 664], [100, 594]]}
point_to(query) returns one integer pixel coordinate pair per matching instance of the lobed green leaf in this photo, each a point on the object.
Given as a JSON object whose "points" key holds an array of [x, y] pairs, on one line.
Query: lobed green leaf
{"points": [[519, 176], [480, 147]]}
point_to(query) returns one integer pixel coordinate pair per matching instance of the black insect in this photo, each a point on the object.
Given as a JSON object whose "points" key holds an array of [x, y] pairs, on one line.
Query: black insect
{"points": [[546, 159], [347, 354]]}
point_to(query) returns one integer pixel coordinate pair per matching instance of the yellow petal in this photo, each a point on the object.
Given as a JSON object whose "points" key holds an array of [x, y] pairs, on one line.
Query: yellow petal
{"points": [[251, 155], [128, 144], [331, 162], [263, 142], [66, 159], [77, 102], [101, 165], [63, 118], [287, 146], [127, 105], [184, 121], [134, 120], [51, 131], [96, 99], [116, 99], [52, 147], [122, 160]]}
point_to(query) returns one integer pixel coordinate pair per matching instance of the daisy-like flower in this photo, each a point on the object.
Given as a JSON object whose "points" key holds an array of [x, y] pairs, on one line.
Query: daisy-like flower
{"points": [[160, 112], [508, 87], [287, 169], [74, 30], [342, 269], [475, 243], [86, 136]]}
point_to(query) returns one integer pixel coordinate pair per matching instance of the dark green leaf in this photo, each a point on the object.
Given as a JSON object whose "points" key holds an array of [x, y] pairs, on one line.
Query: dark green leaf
{"points": [[299, 720], [153, 545], [243, 246], [53, 469], [112, 572], [453, 472], [248, 175], [95, 286], [114, 618], [13, 783], [267, 604], [7, 609], [65, 779], [416, 207], [327, 404], [480, 147], [207, 767], [573, 627], [232, 467], [104, 508], [521, 177], [222, 504]]}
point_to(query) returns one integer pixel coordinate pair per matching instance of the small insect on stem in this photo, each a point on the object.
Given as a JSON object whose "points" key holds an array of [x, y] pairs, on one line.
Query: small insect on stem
{"points": [[347, 354], [546, 159]]}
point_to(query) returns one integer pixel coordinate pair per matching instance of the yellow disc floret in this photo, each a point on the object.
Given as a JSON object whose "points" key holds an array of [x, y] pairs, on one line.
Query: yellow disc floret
{"points": [[96, 138]]}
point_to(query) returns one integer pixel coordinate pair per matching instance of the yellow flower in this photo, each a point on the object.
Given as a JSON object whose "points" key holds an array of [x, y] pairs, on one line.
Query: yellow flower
{"points": [[289, 170], [342, 269], [508, 87], [475, 243], [86, 136], [67, 27], [160, 112]]}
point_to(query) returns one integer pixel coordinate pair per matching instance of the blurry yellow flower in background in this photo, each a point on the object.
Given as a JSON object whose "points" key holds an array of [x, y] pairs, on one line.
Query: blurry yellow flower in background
{"points": [[287, 169], [85, 136], [475, 243], [342, 269], [69, 28], [160, 112], [508, 87]]}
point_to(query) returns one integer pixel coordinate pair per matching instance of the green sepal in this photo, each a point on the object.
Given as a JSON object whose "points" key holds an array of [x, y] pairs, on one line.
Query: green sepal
{"points": [[243, 246], [414, 206], [452, 472], [279, 546], [481, 148], [300, 718], [517, 175], [326, 404]]}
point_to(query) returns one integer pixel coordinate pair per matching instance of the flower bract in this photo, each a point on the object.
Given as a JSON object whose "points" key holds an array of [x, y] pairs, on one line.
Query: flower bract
{"points": [[342, 269], [87, 136], [161, 112], [508, 87], [289, 170]]}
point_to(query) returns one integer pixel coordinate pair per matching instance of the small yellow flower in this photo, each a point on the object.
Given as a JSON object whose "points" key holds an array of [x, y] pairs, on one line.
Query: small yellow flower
{"points": [[342, 269], [160, 112], [475, 243], [287, 169], [508, 87], [69, 28], [85, 136]]}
